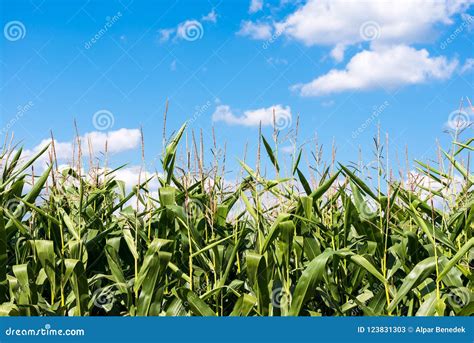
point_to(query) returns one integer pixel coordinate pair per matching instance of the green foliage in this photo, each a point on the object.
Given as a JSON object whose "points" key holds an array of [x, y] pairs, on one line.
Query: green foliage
{"points": [[73, 244]]}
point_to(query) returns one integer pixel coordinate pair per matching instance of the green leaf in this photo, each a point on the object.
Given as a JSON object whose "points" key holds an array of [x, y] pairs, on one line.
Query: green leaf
{"points": [[3, 260], [311, 276], [452, 262], [318, 193], [244, 305], [127, 235], [270, 153], [256, 270], [421, 271], [78, 280], [47, 257], [197, 305], [155, 272], [361, 261]]}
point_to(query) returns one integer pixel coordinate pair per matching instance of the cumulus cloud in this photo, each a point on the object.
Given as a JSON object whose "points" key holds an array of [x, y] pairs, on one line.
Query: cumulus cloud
{"points": [[255, 6], [211, 16], [130, 176], [117, 141], [449, 188], [338, 52], [342, 23], [254, 117], [255, 30], [133, 174], [165, 35], [387, 67], [468, 66], [288, 149], [332, 22]]}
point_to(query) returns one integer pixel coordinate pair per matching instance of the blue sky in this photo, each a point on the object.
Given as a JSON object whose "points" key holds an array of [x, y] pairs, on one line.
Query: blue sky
{"points": [[342, 67]]}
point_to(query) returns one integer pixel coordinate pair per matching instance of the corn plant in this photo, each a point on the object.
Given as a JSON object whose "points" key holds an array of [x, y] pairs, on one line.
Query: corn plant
{"points": [[79, 243]]}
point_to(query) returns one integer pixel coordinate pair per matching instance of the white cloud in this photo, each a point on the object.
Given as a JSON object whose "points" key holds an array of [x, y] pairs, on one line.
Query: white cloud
{"points": [[387, 26], [130, 176], [338, 52], [211, 16], [255, 6], [343, 22], [288, 149], [165, 35], [255, 30], [328, 103], [467, 66], [117, 141], [173, 65], [384, 67], [254, 117], [134, 174], [420, 184]]}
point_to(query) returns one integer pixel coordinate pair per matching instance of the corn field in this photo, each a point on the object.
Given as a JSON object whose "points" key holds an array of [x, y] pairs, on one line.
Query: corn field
{"points": [[77, 242]]}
